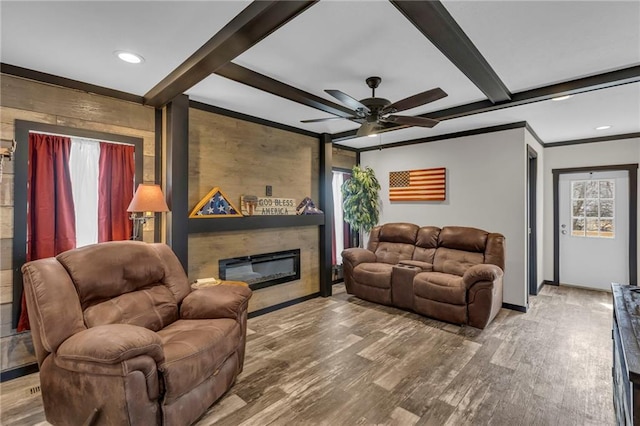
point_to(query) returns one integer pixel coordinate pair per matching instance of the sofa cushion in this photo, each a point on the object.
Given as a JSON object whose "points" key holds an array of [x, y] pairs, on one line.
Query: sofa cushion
{"points": [[122, 267], [440, 287], [399, 233], [153, 308], [424, 255], [426, 244], [428, 237], [193, 351], [455, 262], [393, 253], [463, 238], [373, 274]]}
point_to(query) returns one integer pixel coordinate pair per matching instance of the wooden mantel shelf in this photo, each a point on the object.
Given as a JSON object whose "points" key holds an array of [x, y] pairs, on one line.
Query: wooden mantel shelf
{"points": [[252, 222]]}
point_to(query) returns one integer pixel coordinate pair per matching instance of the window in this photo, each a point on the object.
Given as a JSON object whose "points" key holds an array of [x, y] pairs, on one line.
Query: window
{"points": [[592, 208], [22, 131], [341, 229]]}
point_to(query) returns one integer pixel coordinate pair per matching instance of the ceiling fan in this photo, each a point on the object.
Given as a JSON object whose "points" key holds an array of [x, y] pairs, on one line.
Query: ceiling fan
{"points": [[376, 114]]}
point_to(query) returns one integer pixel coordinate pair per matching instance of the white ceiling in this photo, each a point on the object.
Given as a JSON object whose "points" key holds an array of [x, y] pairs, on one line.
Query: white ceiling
{"points": [[536, 43], [337, 44], [76, 39]]}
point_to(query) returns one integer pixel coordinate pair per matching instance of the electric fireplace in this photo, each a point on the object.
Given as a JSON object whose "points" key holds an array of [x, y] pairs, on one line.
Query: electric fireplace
{"points": [[262, 270]]}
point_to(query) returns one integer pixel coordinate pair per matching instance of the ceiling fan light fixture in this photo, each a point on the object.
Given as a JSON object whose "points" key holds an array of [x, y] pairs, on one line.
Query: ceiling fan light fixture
{"points": [[132, 58], [561, 98], [374, 113], [605, 127]]}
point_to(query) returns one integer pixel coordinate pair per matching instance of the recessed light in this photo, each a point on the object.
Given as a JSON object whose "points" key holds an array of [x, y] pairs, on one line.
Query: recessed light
{"points": [[132, 58], [561, 98], [603, 127], [373, 135]]}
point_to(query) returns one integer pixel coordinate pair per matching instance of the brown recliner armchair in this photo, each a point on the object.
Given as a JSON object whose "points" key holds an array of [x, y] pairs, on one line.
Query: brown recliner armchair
{"points": [[120, 335]]}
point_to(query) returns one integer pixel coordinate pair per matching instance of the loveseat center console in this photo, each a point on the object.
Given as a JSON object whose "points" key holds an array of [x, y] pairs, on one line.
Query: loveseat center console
{"points": [[402, 285]]}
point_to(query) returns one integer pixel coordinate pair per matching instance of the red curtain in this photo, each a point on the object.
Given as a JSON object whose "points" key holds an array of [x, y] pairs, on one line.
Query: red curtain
{"points": [[51, 223], [115, 191]]}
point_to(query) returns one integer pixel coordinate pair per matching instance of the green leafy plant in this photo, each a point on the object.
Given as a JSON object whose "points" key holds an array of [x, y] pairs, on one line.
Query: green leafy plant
{"points": [[361, 203]]}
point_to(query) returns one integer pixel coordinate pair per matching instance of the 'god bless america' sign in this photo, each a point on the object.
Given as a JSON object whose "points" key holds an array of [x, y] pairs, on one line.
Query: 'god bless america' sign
{"points": [[268, 206]]}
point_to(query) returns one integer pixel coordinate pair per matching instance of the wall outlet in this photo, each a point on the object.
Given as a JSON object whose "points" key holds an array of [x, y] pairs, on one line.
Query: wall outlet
{"points": [[269, 191]]}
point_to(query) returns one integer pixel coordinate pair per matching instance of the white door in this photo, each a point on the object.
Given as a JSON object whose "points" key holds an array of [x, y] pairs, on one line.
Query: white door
{"points": [[594, 229]]}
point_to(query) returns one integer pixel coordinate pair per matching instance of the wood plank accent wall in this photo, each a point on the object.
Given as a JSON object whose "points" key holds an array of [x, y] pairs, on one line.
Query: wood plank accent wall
{"points": [[206, 249], [343, 159], [39, 102], [242, 158]]}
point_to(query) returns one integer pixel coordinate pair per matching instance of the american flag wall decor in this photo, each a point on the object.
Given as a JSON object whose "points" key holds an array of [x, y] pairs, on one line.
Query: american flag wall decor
{"points": [[215, 204], [418, 185]]}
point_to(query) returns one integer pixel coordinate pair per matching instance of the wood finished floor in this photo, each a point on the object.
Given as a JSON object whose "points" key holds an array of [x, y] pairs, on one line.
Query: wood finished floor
{"points": [[344, 361]]}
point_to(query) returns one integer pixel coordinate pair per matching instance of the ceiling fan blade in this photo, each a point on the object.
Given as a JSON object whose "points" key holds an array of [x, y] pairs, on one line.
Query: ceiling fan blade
{"points": [[416, 100], [317, 120], [410, 121], [347, 100], [368, 128]]}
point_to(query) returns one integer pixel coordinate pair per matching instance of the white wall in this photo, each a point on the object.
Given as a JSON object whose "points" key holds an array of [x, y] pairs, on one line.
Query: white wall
{"points": [[625, 151], [531, 141], [486, 189]]}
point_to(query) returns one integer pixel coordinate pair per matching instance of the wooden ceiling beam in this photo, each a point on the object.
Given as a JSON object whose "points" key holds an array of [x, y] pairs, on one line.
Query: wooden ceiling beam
{"points": [[572, 87], [433, 20], [253, 24], [267, 84]]}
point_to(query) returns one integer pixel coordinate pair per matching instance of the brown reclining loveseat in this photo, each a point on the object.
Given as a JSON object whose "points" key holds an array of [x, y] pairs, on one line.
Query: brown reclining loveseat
{"points": [[452, 274]]}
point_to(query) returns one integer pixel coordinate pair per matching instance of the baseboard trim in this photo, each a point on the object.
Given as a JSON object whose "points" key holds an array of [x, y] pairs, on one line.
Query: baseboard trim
{"points": [[283, 305], [514, 307], [547, 282], [14, 373], [540, 286]]}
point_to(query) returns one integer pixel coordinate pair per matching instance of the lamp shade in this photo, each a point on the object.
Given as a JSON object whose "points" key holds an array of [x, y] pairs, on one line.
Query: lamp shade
{"points": [[148, 198]]}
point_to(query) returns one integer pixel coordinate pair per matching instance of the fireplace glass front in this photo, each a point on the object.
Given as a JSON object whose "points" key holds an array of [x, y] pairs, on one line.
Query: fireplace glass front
{"points": [[262, 270]]}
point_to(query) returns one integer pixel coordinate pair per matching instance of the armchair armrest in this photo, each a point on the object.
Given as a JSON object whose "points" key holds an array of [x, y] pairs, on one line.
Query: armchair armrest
{"points": [[112, 350], [483, 272], [357, 255], [220, 301], [111, 344]]}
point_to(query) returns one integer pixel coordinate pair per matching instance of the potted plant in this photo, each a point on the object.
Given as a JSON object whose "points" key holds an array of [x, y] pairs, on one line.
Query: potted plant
{"points": [[361, 203]]}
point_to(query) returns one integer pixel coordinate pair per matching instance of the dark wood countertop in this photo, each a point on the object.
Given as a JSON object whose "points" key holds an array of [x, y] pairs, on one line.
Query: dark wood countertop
{"points": [[626, 305]]}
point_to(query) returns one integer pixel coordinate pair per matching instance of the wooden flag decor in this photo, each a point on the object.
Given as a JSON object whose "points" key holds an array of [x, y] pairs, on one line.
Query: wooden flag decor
{"points": [[418, 185]]}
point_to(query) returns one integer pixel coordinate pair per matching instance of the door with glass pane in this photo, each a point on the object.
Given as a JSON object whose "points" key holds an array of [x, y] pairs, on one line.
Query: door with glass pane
{"points": [[594, 234]]}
